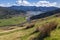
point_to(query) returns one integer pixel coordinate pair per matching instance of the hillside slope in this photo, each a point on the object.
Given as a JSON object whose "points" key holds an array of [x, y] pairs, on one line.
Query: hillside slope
{"points": [[8, 13], [46, 14], [27, 31]]}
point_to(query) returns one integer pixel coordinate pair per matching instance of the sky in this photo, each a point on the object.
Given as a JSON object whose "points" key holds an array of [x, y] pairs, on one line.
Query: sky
{"points": [[37, 3]]}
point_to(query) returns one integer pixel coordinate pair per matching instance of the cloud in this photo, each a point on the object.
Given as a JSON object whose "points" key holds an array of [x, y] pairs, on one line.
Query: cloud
{"points": [[39, 3], [6, 5], [27, 3], [24, 3], [45, 3]]}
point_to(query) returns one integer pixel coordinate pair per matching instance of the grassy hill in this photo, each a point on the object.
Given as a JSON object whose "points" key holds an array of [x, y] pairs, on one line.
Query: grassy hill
{"points": [[11, 21], [27, 32], [10, 16], [45, 27], [6, 13]]}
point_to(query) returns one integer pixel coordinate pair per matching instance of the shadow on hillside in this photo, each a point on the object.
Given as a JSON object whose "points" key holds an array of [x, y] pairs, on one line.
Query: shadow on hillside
{"points": [[42, 36], [43, 15]]}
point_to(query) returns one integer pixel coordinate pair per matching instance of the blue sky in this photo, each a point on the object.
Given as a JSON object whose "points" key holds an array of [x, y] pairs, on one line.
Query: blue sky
{"points": [[7, 3]]}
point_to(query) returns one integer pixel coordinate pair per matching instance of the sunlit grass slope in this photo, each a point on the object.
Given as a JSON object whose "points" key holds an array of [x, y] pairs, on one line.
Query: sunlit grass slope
{"points": [[12, 21], [27, 34]]}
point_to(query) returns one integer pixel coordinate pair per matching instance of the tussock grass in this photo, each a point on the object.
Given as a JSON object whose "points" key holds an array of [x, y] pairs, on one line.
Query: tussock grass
{"points": [[30, 25]]}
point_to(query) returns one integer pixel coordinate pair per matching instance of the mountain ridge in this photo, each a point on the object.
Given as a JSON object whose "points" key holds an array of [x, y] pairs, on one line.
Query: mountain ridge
{"points": [[7, 12], [46, 14], [33, 8]]}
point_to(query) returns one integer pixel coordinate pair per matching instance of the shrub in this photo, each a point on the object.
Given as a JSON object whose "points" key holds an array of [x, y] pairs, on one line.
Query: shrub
{"points": [[45, 29]]}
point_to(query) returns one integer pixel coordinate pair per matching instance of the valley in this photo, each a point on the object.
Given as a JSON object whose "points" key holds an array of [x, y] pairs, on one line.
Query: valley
{"points": [[41, 26], [23, 33]]}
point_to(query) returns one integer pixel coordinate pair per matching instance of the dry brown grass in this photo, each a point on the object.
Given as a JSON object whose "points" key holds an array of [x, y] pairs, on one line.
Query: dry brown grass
{"points": [[30, 25], [32, 38], [45, 29], [48, 26]]}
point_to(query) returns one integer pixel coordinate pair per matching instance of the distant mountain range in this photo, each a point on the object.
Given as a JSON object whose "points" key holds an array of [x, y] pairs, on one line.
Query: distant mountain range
{"points": [[8, 12], [32, 8]]}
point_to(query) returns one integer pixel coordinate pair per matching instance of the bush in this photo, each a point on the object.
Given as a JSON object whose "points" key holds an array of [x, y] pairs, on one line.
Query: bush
{"points": [[45, 29]]}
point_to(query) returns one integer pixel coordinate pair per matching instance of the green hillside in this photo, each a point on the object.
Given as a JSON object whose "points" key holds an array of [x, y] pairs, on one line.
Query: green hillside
{"points": [[28, 31], [6, 13], [12, 21]]}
